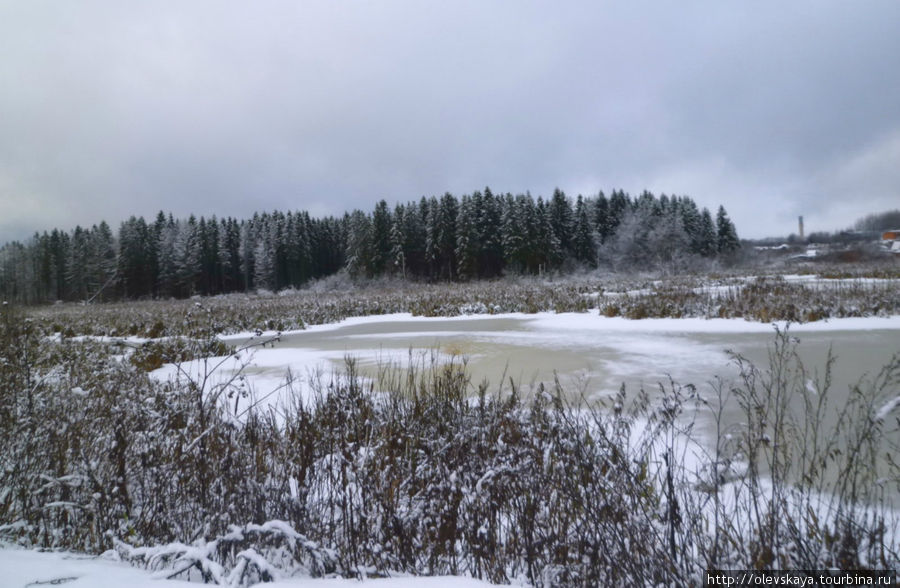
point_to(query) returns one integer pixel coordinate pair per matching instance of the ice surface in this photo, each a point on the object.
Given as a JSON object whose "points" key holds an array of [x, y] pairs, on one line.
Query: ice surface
{"points": [[584, 346]]}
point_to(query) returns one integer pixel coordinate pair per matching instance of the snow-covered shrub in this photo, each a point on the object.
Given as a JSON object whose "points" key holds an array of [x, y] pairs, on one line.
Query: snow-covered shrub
{"points": [[243, 556], [418, 471]]}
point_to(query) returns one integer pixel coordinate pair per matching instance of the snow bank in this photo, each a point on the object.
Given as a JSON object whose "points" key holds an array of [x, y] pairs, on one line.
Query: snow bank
{"points": [[23, 567], [591, 321]]}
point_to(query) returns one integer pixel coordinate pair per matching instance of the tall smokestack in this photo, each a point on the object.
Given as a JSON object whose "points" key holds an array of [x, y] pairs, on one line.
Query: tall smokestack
{"points": [[801, 228]]}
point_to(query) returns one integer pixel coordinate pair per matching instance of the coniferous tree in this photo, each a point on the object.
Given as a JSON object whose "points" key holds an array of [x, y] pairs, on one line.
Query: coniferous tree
{"points": [[59, 249], [727, 238], [429, 211], [445, 236], [188, 258], [602, 218], [381, 238], [584, 249], [561, 219], [248, 249], [210, 261], [512, 235], [132, 260], [359, 245], [168, 262], [619, 204], [104, 252], [489, 222], [230, 255], [415, 235], [708, 239], [692, 221], [546, 250], [467, 243], [397, 260], [264, 257], [77, 264], [296, 247]]}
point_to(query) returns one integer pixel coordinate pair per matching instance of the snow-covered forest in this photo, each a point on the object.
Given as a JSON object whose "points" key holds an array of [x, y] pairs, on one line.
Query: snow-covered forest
{"points": [[480, 235]]}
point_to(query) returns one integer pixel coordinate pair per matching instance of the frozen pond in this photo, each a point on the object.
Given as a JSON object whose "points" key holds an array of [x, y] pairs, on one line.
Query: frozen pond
{"points": [[591, 355]]}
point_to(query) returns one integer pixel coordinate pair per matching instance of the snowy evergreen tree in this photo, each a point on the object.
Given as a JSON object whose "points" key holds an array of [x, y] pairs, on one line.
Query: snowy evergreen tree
{"points": [[230, 255], [445, 236], [727, 238], [602, 224], [584, 249], [264, 256], [398, 241], [429, 212], [189, 266], [297, 251], [489, 222], [133, 259], [619, 204], [168, 259], [561, 219], [78, 264], [707, 239], [513, 235], [546, 249], [467, 245], [416, 237], [381, 238], [248, 249], [359, 245]]}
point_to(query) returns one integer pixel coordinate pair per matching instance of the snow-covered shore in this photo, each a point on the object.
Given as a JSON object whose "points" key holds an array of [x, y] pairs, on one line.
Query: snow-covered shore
{"points": [[25, 568]]}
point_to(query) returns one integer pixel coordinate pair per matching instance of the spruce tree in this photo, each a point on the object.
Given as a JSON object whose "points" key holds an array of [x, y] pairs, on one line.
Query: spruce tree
{"points": [[512, 234], [359, 245], [583, 247], [707, 239], [561, 219], [547, 249], [168, 264], [489, 218], [381, 238], [619, 204], [601, 217], [467, 245], [398, 241], [727, 238]]}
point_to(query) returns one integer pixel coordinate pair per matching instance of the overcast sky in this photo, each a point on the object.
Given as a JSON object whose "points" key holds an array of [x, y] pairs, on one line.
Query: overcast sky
{"points": [[774, 109]]}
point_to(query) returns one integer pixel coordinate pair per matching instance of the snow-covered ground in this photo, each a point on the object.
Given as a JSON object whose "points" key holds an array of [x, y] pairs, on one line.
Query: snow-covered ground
{"points": [[21, 568]]}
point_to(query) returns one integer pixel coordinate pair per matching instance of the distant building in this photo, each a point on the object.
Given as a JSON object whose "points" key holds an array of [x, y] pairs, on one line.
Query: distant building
{"points": [[892, 235]]}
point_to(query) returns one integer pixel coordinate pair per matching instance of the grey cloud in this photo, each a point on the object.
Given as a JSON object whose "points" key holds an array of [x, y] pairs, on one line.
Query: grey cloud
{"points": [[111, 109]]}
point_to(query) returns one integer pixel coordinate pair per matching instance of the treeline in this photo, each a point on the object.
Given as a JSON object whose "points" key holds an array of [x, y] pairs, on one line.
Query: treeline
{"points": [[884, 221], [480, 235]]}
